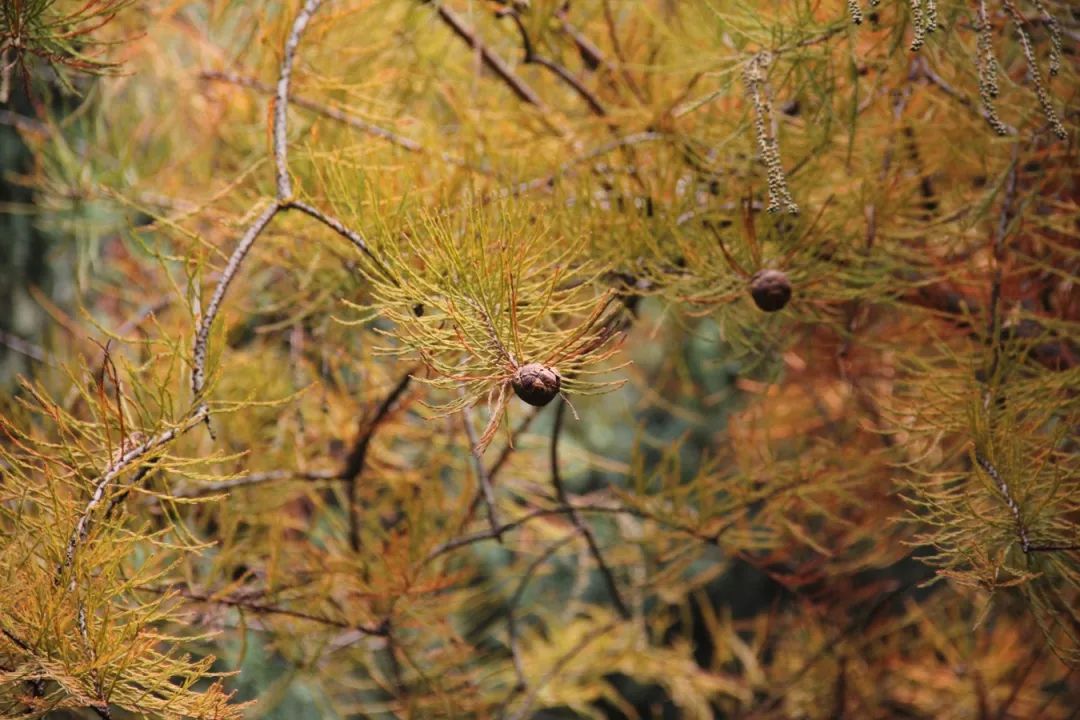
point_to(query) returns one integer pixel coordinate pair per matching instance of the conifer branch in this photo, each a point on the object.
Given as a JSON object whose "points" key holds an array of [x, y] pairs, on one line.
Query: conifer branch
{"points": [[338, 115], [82, 527], [1014, 508], [284, 201], [530, 56], [560, 664]]}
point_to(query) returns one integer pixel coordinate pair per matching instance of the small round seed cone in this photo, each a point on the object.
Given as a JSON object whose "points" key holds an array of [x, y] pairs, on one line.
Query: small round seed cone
{"points": [[770, 289], [536, 384]]}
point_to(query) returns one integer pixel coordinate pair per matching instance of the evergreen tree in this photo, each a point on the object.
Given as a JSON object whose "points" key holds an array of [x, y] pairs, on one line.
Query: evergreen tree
{"points": [[547, 360]]}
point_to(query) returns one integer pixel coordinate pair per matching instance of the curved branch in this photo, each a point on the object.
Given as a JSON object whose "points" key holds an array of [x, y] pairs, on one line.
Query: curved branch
{"points": [[281, 99]]}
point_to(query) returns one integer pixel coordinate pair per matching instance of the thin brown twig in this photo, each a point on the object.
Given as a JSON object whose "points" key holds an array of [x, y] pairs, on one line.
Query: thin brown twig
{"points": [[530, 56], [490, 59], [482, 475], [341, 229], [496, 466], [579, 522], [202, 334], [255, 478], [591, 55], [355, 461], [263, 608], [511, 614]]}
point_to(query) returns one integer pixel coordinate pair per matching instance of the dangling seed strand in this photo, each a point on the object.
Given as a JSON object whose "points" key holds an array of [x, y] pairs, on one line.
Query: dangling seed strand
{"points": [[1055, 37], [856, 11], [1036, 76], [987, 67], [769, 148], [918, 26]]}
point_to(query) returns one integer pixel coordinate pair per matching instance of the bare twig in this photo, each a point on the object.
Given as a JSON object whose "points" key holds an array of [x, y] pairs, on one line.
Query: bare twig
{"points": [[482, 475], [591, 55], [490, 59], [22, 122], [496, 466], [994, 321], [256, 478], [579, 522], [25, 347], [530, 56], [281, 99], [264, 609], [202, 334], [465, 540], [354, 462], [515, 602], [340, 228]]}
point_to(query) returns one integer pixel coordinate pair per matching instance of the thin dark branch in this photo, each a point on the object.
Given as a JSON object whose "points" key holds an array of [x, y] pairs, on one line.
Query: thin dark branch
{"points": [[464, 540], [591, 55], [531, 56], [1004, 220], [265, 609], [482, 476], [511, 615], [354, 462], [579, 522], [340, 228], [490, 59]]}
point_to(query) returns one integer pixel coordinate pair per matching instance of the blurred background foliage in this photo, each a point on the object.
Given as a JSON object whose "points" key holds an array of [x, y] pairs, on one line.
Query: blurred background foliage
{"points": [[863, 505]]}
